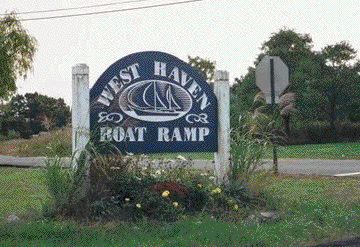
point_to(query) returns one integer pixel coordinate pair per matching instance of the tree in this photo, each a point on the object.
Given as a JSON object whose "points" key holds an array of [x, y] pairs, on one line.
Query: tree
{"points": [[17, 51], [340, 81], [204, 66], [40, 110], [338, 55]]}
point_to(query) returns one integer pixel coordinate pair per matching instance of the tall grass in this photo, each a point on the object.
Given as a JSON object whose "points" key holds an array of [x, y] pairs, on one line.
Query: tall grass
{"points": [[68, 187], [250, 139], [35, 147]]}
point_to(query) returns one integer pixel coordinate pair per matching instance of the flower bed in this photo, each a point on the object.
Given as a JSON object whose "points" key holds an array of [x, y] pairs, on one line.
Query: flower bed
{"points": [[130, 189]]}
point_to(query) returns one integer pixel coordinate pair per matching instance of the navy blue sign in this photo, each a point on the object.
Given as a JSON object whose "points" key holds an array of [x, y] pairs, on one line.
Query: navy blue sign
{"points": [[153, 102]]}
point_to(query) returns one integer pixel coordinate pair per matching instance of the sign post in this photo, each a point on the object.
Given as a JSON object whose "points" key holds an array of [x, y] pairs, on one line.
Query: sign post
{"points": [[80, 110], [222, 157], [272, 77], [272, 83], [80, 121]]}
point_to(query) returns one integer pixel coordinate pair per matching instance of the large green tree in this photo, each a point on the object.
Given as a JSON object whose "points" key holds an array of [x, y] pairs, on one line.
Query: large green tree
{"points": [[34, 106], [340, 83], [325, 83], [295, 50], [17, 51]]}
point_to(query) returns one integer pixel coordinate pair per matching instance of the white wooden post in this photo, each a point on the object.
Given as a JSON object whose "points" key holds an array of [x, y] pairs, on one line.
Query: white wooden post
{"points": [[80, 110], [222, 157]]}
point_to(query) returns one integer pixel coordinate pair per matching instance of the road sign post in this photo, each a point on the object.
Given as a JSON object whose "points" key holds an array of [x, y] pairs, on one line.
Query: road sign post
{"points": [[272, 77], [272, 84]]}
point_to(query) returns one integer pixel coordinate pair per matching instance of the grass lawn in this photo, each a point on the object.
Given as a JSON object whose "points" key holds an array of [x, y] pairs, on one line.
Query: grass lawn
{"points": [[21, 190], [311, 209], [350, 150]]}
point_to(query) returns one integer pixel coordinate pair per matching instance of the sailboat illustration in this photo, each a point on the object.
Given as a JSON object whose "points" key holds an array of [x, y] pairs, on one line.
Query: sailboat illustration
{"points": [[154, 103]]}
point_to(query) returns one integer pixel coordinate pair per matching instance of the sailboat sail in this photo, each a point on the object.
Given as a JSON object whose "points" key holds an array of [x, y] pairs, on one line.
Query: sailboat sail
{"points": [[154, 104], [172, 103]]}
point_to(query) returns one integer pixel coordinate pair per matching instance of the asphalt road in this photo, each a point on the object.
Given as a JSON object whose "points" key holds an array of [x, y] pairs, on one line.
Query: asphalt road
{"points": [[287, 166]]}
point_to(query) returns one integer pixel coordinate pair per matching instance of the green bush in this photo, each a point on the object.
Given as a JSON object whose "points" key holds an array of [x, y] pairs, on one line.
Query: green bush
{"points": [[349, 131], [318, 131]]}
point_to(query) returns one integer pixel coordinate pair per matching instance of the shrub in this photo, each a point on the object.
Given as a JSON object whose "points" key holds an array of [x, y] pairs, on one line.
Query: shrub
{"points": [[318, 131], [349, 131], [120, 183]]}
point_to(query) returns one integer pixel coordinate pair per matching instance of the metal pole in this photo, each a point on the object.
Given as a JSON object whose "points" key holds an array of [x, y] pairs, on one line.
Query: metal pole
{"points": [[272, 84]]}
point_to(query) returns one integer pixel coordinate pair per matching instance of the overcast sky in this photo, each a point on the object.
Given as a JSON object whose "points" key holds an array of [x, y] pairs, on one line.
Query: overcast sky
{"points": [[229, 32]]}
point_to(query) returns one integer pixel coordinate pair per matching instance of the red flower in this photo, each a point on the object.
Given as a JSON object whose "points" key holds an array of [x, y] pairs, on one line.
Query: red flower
{"points": [[171, 186]]}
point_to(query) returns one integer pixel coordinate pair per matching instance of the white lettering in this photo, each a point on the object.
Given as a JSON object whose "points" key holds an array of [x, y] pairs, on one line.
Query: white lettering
{"points": [[175, 74], [141, 131], [202, 133], [190, 134], [184, 79], [160, 68], [134, 70], [163, 134], [105, 97], [204, 101], [115, 84], [125, 76], [185, 134], [105, 134], [120, 134], [176, 135], [130, 134], [194, 89]]}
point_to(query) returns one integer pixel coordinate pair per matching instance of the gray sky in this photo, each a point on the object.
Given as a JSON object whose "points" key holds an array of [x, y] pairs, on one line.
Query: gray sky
{"points": [[226, 31]]}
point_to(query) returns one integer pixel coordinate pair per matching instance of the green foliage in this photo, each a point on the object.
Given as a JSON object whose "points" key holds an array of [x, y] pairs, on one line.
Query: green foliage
{"points": [[58, 182], [318, 131], [340, 53], [325, 83], [128, 185], [43, 112], [17, 51], [68, 187], [311, 209], [204, 66], [131, 188], [250, 139]]}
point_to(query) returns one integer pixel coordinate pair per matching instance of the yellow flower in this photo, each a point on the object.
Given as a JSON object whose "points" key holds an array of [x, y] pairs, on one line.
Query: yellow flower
{"points": [[199, 186], [235, 207], [166, 193], [138, 205], [217, 190], [175, 204], [127, 199]]}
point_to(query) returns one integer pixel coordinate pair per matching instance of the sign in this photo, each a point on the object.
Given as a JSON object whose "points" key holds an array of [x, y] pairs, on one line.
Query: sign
{"points": [[153, 102], [263, 75]]}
